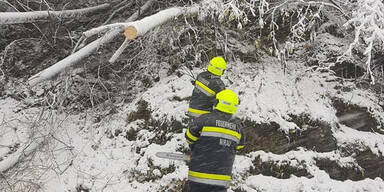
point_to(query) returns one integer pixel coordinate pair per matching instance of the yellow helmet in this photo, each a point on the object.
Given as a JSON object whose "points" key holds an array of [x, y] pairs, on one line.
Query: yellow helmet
{"points": [[217, 65], [227, 101]]}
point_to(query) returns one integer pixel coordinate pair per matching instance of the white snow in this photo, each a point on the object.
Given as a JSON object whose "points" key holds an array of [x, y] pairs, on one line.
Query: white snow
{"points": [[270, 95], [373, 141], [321, 182]]}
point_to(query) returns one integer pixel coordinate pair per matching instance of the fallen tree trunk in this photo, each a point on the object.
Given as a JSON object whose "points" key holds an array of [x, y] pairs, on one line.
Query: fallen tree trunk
{"points": [[133, 30], [141, 27], [29, 17], [82, 53]]}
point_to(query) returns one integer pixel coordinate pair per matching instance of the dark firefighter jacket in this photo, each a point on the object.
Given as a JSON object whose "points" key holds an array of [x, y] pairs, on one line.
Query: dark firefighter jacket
{"points": [[214, 139], [203, 95]]}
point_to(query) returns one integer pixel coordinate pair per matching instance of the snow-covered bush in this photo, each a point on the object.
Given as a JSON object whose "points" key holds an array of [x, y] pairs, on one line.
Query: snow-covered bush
{"points": [[368, 24], [276, 26]]}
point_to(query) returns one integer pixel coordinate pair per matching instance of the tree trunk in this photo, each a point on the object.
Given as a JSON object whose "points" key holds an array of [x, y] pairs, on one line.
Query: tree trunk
{"points": [[141, 27], [28, 17]]}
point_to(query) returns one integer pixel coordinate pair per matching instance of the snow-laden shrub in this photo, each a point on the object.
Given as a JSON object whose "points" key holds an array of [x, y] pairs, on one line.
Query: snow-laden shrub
{"points": [[368, 23], [269, 16], [281, 24]]}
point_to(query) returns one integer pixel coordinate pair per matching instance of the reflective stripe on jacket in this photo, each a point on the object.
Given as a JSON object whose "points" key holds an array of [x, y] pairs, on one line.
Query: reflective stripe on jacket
{"points": [[214, 139], [203, 95], [210, 179]]}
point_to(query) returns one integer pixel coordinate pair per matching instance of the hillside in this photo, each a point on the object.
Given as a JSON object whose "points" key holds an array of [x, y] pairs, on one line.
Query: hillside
{"points": [[311, 124]]}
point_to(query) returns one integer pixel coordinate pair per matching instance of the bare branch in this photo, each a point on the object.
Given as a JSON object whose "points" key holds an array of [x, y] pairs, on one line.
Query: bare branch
{"points": [[118, 10], [119, 51], [10, 5], [104, 28]]}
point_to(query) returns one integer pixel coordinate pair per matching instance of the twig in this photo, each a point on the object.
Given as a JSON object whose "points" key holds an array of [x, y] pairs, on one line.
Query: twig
{"points": [[6, 2], [66, 168], [118, 10], [340, 9], [105, 186], [119, 5], [24, 6], [6, 180], [82, 38]]}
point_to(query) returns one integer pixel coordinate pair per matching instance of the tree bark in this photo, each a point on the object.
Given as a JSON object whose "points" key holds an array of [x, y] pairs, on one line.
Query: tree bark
{"points": [[29, 17]]}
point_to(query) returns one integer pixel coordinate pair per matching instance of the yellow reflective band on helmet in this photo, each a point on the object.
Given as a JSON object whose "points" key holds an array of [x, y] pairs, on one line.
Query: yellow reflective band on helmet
{"points": [[205, 88], [239, 147], [209, 176], [222, 130], [190, 136], [197, 111]]}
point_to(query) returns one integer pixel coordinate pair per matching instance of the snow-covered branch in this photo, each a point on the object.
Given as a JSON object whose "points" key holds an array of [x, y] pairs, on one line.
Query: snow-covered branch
{"points": [[270, 15], [369, 29], [28, 17]]}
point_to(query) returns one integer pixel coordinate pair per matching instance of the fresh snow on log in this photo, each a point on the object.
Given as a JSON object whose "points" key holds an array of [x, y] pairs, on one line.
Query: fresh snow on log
{"points": [[28, 17], [82, 53]]}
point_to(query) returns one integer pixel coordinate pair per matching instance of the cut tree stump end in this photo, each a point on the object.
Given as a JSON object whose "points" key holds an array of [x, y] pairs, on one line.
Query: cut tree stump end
{"points": [[130, 32]]}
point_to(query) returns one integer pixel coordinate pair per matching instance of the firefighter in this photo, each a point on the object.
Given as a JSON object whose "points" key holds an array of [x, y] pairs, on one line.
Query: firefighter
{"points": [[207, 84], [214, 139]]}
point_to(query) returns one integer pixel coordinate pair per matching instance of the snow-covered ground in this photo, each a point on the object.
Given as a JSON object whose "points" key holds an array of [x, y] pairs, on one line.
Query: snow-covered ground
{"points": [[98, 156]]}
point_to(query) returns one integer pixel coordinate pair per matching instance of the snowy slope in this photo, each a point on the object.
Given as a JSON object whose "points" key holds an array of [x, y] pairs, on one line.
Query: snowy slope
{"points": [[118, 155]]}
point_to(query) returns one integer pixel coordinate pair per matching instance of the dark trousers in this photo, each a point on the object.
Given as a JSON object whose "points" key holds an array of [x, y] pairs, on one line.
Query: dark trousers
{"points": [[200, 187]]}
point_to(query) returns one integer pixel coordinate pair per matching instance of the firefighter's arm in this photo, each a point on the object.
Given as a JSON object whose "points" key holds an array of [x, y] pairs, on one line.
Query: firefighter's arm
{"points": [[242, 141], [193, 133]]}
